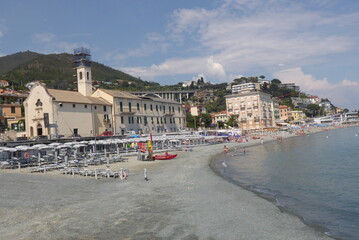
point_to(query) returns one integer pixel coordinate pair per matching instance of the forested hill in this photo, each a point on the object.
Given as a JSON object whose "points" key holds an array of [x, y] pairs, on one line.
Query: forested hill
{"points": [[9, 62], [56, 70]]}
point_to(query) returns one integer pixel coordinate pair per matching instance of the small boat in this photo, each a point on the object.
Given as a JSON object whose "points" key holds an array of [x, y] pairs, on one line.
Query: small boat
{"points": [[164, 156]]}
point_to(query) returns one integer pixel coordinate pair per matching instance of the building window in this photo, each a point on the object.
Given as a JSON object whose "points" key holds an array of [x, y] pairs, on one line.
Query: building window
{"points": [[80, 75], [88, 75], [85, 106], [121, 107], [145, 106], [129, 120], [138, 107], [173, 109], [158, 121], [12, 109], [161, 120], [160, 107], [95, 107], [38, 103], [165, 121], [129, 107], [151, 107], [104, 108], [156, 108], [138, 120], [145, 120], [121, 120], [169, 109], [73, 105], [152, 120], [179, 109]]}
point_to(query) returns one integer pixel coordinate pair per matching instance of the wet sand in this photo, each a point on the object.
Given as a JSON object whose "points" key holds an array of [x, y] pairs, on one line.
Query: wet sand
{"points": [[183, 199]]}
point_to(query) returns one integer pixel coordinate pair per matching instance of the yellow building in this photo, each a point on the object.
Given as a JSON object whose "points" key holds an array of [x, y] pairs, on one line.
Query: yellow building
{"points": [[298, 115]]}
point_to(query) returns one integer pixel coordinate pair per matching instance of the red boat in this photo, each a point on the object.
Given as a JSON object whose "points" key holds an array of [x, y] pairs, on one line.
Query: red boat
{"points": [[164, 156]]}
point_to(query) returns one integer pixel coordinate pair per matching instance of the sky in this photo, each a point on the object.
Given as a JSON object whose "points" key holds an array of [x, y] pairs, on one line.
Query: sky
{"points": [[312, 43]]}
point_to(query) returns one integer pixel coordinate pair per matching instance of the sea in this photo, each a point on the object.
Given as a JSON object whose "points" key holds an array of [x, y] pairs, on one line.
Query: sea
{"points": [[315, 177]]}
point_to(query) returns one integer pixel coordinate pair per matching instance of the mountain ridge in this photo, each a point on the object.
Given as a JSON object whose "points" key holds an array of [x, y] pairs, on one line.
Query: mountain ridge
{"points": [[56, 71]]}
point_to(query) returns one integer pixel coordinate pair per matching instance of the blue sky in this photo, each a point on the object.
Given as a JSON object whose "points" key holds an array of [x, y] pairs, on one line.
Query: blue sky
{"points": [[313, 43]]}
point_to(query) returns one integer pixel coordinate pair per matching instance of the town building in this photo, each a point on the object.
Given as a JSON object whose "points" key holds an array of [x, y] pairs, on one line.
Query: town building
{"points": [[285, 113], [220, 117], [298, 115], [143, 114], [327, 107], [11, 114], [4, 83], [86, 113], [197, 110], [313, 99], [254, 110], [290, 86], [245, 87]]}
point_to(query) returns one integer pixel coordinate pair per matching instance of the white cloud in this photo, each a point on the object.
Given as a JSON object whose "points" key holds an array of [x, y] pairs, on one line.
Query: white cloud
{"points": [[207, 66], [215, 69], [43, 37], [243, 35], [344, 93]]}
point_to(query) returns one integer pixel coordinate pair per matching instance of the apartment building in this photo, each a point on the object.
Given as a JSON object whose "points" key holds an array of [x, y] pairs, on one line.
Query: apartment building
{"points": [[254, 110], [285, 113], [143, 114]]}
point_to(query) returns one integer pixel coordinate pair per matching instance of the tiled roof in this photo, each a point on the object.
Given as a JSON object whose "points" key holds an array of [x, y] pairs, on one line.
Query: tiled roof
{"points": [[74, 97]]}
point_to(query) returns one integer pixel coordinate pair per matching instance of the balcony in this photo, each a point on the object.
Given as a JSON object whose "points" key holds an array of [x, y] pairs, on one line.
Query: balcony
{"points": [[126, 113]]}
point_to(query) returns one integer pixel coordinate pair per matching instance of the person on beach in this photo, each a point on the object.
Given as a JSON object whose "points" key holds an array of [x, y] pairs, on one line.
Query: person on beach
{"points": [[244, 150], [225, 150]]}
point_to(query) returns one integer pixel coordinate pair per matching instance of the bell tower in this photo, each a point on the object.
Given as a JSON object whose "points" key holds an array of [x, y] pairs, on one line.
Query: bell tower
{"points": [[82, 63]]}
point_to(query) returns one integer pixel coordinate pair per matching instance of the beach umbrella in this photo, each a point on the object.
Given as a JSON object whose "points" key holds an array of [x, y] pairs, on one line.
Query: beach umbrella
{"points": [[55, 144]]}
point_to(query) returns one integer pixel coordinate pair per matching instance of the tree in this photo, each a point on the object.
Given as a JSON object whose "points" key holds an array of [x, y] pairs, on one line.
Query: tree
{"points": [[276, 81], [252, 79], [240, 80], [345, 110], [232, 121], [204, 120], [313, 109]]}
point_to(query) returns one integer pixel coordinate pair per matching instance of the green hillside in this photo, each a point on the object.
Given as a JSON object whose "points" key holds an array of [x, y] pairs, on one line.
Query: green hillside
{"points": [[56, 70], [9, 62]]}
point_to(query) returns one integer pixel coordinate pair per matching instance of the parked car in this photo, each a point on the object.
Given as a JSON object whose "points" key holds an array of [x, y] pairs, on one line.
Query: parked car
{"points": [[107, 133]]}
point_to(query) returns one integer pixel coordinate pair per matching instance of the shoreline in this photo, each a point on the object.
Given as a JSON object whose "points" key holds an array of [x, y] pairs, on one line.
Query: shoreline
{"points": [[183, 199], [216, 167]]}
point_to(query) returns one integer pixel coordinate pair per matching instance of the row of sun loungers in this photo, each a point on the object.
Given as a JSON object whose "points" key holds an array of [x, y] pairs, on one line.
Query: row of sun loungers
{"points": [[97, 173]]}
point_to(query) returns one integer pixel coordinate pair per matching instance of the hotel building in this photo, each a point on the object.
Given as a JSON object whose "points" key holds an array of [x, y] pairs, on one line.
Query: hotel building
{"points": [[254, 110]]}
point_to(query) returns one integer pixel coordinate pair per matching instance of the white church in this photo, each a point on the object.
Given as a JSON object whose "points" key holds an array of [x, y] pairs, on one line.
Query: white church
{"points": [[55, 112]]}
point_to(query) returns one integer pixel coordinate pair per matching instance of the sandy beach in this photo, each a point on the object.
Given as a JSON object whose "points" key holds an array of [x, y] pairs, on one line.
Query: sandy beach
{"points": [[183, 199]]}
